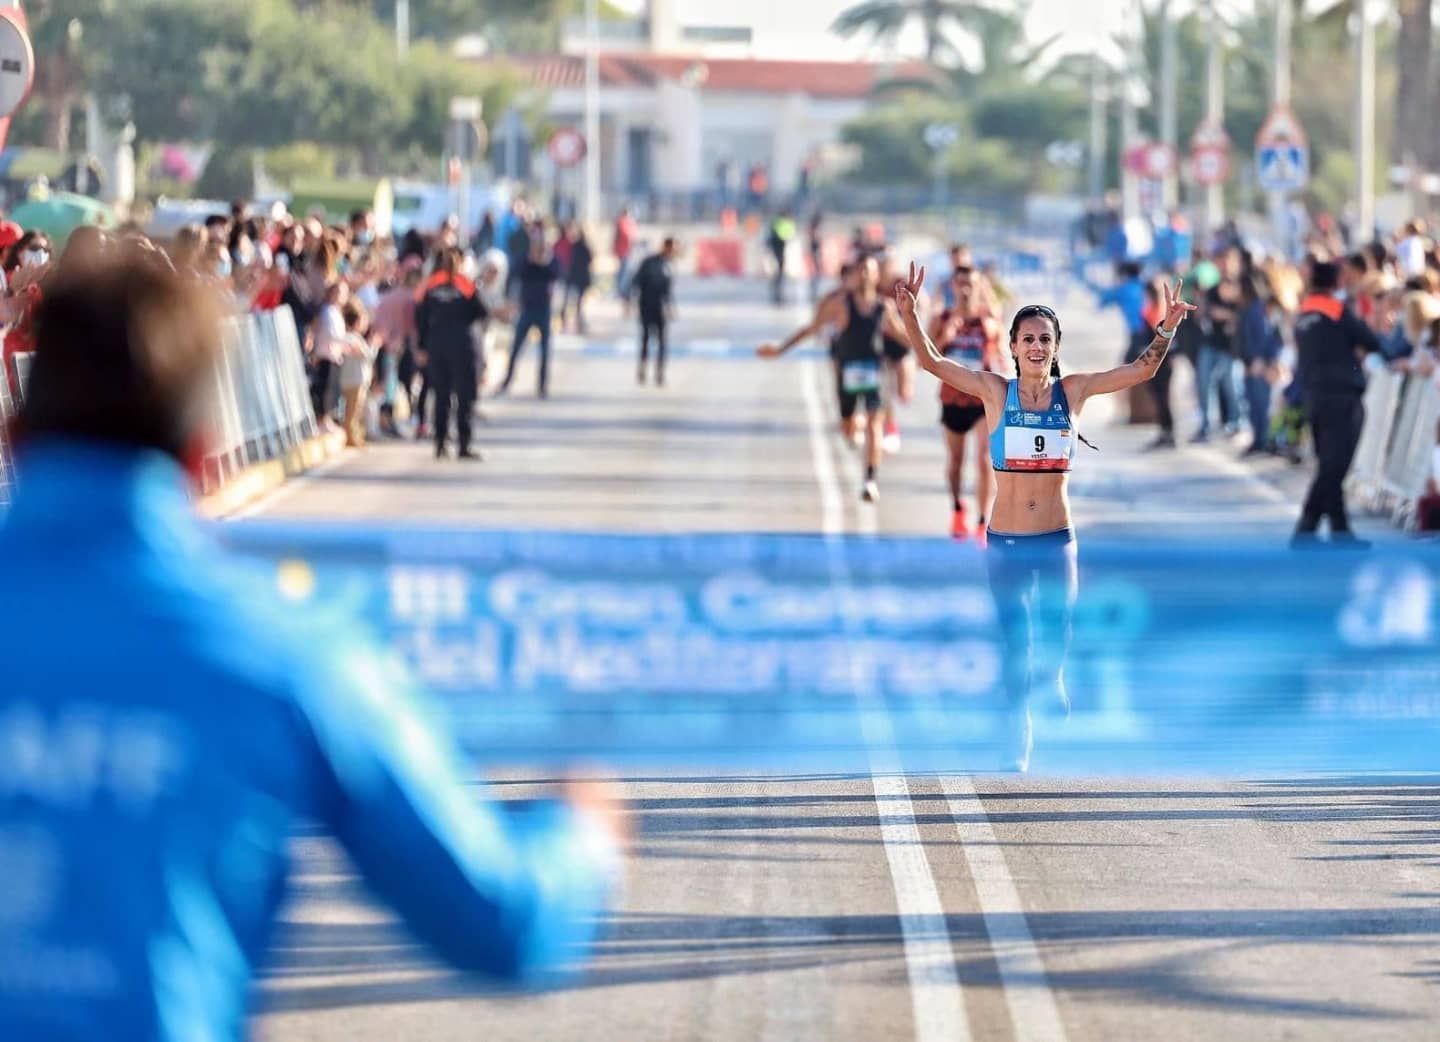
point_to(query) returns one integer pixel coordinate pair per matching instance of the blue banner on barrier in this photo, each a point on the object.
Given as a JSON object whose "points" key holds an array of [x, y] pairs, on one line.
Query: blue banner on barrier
{"points": [[813, 653]]}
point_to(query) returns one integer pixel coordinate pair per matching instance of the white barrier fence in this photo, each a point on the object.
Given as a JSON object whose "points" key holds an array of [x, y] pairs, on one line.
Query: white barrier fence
{"points": [[262, 395], [261, 406], [8, 409], [1392, 462]]}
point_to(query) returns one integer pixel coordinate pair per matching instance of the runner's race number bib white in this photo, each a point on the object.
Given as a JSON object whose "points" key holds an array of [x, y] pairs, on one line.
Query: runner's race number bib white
{"points": [[860, 377], [1031, 448]]}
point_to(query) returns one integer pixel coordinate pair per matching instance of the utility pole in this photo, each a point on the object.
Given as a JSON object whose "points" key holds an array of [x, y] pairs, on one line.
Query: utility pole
{"points": [[1099, 138], [1169, 71], [1284, 15], [1129, 118], [592, 112], [1364, 123], [402, 29], [1214, 115]]}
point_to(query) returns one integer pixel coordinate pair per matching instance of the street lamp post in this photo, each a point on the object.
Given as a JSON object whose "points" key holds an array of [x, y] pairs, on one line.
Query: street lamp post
{"points": [[941, 137], [1129, 117], [1284, 15], [1214, 115], [1098, 128], [592, 111], [1364, 122], [1169, 72]]}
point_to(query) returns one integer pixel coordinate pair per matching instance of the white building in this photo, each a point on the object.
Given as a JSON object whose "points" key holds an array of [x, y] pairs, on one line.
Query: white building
{"points": [[684, 109]]}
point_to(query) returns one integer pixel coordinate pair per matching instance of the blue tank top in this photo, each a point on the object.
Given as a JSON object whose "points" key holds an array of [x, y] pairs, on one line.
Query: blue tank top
{"points": [[1033, 442]]}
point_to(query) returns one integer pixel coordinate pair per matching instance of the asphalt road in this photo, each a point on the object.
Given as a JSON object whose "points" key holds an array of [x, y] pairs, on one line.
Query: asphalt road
{"points": [[881, 907]]}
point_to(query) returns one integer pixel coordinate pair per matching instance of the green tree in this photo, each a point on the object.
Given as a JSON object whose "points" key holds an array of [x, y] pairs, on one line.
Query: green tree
{"points": [[64, 63], [229, 174], [163, 56], [327, 79]]}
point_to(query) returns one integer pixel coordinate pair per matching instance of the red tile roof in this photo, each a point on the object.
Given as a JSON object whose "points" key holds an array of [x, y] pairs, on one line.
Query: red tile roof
{"points": [[819, 79]]}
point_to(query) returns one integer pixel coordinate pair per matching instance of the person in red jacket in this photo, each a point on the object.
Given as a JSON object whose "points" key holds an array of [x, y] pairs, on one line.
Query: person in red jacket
{"points": [[27, 259]]}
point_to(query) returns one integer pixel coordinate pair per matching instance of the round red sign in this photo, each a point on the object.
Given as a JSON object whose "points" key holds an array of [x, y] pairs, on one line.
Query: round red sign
{"points": [[566, 146]]}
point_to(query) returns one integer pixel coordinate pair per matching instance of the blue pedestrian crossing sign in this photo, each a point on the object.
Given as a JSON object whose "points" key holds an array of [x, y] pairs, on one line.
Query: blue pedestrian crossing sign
{"points": [[1282, 154]]}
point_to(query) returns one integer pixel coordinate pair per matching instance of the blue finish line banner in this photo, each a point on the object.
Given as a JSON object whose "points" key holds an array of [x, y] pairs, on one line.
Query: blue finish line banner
{"points": [[794, 652]]}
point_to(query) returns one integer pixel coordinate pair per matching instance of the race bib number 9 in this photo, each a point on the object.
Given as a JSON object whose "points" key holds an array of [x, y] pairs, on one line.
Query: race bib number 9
{"points": [[860, 377], [1029, 448]]}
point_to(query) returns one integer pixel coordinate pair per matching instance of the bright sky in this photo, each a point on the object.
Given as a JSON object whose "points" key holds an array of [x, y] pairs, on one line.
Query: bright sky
{"points": [[800, 27]]}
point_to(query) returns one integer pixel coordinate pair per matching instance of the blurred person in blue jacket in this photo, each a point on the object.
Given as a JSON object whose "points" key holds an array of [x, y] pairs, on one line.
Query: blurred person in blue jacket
{"points": [[166, 720], [1173, 242], [1260, 343], [1128, 295]]}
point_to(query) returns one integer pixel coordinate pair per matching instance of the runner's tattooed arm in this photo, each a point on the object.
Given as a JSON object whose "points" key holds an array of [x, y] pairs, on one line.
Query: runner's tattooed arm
{"points": [[982, 385], [1080, 386]]}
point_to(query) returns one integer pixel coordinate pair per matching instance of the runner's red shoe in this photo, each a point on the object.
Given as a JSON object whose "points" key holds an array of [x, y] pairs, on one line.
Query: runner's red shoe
{"points": [[891, 441], [959, 526]]}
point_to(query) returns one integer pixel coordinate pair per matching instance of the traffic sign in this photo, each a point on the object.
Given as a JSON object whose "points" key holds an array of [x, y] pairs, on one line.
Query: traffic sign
{"points": [[1152, 160], [1209, 155], [1282, 153], [1209, 135], [566, 146], [940, 136], [1210, 165], [1160, 161], [17, 63]]}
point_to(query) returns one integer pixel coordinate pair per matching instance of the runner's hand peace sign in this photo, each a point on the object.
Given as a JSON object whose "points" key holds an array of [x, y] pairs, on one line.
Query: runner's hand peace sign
{"points": [[1175, 307], [907, 290]]}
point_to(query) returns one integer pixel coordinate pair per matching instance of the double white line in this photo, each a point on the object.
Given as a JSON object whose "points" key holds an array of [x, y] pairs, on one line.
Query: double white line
{"points": [[937, 998]]}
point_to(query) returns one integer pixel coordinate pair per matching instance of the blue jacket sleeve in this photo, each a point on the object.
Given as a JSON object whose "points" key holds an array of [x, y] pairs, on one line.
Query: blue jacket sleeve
{"points": [[511, 893]]}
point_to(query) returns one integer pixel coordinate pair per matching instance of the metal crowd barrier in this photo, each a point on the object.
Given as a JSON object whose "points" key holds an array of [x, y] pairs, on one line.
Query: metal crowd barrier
{"points": [[1393, 459], [262, 397], [1367, 473], [8, 410]]}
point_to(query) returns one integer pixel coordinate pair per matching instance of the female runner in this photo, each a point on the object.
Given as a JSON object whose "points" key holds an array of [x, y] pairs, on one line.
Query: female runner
{"points": [[970, 335], [1031, 419]]}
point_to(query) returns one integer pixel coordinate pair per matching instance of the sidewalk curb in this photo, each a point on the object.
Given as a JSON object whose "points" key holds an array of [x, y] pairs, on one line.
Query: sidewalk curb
{"points": [[263, 478]]}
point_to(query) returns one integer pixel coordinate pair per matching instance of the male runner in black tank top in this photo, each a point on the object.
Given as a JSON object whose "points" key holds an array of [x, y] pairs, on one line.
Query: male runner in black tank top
{"points": [[873, 316], [859, 355]]}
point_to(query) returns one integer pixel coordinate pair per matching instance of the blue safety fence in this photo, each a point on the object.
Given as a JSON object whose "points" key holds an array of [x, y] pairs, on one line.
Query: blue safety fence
{"points": [[794, 652]]}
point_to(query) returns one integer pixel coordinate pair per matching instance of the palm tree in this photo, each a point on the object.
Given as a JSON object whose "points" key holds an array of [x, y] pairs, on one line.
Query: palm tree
{"points": [[885, 19], [1004, 58]]}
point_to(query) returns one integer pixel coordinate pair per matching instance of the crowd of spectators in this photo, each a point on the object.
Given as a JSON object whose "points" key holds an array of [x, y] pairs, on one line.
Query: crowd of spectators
{"points": [[353, 294], [1241, 346]]}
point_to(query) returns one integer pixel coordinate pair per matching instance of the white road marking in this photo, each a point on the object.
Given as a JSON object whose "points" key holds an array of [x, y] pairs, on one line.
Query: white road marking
{"points": [[936, 999], [1022, 973], [286, 490], [832, 514]]}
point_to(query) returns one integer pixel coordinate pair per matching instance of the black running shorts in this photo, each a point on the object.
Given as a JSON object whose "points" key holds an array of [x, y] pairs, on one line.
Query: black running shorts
{"points": [[961, 418]]}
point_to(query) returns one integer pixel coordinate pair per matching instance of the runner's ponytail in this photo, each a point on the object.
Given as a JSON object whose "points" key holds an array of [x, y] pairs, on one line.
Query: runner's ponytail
{"points": [[1055, 375]]}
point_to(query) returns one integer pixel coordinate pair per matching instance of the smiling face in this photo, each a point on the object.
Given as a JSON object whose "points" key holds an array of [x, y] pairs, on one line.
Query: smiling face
{"points": [[1035, 346]]}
